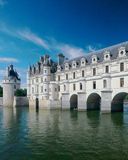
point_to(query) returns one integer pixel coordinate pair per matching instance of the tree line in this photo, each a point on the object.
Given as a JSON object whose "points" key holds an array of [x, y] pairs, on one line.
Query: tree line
{"points": [[18, 92]]}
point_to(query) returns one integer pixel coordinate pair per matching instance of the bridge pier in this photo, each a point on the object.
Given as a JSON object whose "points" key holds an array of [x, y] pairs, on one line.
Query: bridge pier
{"points": [[106, 99], [82, 106], [65, 101]]}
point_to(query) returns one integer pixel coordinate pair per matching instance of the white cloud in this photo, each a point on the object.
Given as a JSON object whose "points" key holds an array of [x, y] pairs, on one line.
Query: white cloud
{"points": [[24, 34], [8, 60], [90, 48], [32, 37], [93, 48], [2, 2], [70, 51], [50, 45]]}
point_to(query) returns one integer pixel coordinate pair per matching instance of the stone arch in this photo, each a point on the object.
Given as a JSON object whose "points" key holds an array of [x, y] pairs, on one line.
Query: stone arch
{"points": [[74, 102], [93, 101], [117, 104]]}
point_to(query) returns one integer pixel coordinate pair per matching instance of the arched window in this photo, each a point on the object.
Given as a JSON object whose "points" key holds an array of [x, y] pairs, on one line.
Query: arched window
{"points": [[81, 86]]}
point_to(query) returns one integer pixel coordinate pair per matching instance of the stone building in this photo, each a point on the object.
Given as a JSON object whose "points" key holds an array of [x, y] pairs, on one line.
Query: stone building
{"points": [[11, 83], [98, 80]]}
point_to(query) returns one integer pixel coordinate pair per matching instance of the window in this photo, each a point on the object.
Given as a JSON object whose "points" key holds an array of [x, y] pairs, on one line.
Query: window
{"points": [[14, 86], [45, 71], [36, 79], [64, 87], [104, 83], [94, 84], [66, 76], [83, 73], [59, 78], [121, 67], [41, 79], [32, 81], [55, 89], [106, 56], [81, 86], [74, 75], [41, 88], [94, 71], [37, 88], [121, 52], [45, 90], [32, 90], [106, 69], [121, 82], [74, 87], [59, 88]]}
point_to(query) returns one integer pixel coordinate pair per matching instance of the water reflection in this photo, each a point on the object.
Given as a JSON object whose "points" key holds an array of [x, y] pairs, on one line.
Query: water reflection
{"points": [[47, 134], [117, 118]]}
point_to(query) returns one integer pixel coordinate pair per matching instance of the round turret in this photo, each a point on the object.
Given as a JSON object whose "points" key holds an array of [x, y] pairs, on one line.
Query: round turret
{"points": [[11, 83]]}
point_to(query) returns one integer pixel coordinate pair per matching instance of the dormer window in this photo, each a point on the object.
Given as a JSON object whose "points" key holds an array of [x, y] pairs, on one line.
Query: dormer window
{"points": [[58, 68], [74, 64], [66, 66], [106, 56], [94, 59], [83, 62], [122, 52]]}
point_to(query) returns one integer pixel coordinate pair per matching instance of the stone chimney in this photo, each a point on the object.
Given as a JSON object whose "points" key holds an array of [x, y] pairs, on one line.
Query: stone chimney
{"points": [[61, 59]]}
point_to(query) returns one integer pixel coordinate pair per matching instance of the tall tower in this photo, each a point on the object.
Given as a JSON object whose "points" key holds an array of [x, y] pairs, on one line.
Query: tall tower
{"points": [[11, 83]]}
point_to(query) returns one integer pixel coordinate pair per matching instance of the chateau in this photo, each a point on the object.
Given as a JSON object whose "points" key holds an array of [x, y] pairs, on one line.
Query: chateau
{"points": [[98, 80]]}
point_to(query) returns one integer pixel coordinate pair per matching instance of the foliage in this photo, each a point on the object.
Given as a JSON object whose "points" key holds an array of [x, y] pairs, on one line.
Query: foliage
{"points": [[126, 98], [21, 92], [1, 91]]}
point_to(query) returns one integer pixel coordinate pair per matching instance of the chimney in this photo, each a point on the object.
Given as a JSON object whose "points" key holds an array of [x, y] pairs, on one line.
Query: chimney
{"points": [[61, 59]]}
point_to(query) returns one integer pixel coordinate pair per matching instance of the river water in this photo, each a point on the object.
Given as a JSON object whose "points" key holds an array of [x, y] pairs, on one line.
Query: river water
{"points": [[62, 135]]}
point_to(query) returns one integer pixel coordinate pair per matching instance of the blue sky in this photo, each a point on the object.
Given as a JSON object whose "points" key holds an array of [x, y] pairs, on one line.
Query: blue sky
{"points": [[31, 28]]}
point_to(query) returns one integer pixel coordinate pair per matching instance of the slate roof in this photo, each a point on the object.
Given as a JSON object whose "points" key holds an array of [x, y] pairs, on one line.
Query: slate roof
{"points": [[12, 73], [100, 54]]}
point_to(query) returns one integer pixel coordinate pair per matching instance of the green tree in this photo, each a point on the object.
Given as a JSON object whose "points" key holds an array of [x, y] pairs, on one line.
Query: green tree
{"points": [[1, 91], [21, 92], [126, 98]]}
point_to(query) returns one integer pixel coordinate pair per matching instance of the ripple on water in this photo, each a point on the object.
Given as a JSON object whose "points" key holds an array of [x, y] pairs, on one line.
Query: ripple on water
{"points": [[26, 134]]}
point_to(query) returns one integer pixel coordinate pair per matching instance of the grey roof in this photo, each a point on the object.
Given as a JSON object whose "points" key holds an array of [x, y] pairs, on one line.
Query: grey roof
{"points": [[12, 73], [100, 54]]}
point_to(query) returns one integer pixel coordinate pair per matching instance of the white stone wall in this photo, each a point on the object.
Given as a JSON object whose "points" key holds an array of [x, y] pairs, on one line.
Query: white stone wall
{"points": [[1, 101], [66, 85], [20, 102], [9, 88]]}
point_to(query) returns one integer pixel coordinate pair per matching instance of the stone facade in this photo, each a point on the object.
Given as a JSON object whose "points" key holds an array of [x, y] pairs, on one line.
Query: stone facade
{"points": [[98, 80], [20, 102], [1, 101]]}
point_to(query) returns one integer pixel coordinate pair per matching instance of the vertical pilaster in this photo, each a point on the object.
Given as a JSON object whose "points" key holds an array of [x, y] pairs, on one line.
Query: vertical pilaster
{"points": [[82, 101], [65, 101], [106, 98]]}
